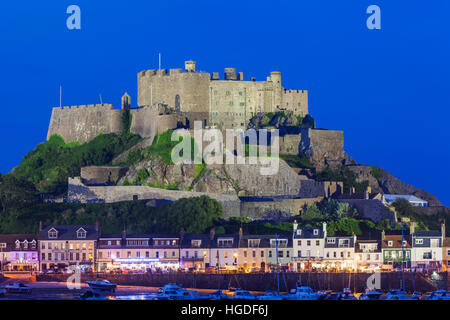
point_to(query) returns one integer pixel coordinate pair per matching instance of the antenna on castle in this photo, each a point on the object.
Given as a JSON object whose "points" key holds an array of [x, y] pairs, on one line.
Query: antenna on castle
{"points": [[159, 54], [101, 101], [60, 96]]}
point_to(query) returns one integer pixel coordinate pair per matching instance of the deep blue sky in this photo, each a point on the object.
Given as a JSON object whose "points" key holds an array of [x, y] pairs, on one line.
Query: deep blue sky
{"points": [[387, 89]]}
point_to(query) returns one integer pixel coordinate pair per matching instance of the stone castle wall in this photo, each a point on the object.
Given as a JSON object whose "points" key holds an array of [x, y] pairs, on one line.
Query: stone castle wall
{"points": [[83, 123], [323, 146], [276, 209], [80, 193]]}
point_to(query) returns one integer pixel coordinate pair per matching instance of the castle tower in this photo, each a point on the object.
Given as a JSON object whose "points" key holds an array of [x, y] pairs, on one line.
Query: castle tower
{"points": [[126, 104], [230, 74], [189, 66], [275, 77]]}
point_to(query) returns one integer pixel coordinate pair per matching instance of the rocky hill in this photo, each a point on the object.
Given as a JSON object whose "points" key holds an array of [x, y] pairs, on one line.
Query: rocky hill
{"points": [[382, 181]]}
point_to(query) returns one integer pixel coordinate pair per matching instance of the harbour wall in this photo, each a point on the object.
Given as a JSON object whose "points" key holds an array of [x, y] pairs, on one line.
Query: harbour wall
{"points": [[268, 281]]}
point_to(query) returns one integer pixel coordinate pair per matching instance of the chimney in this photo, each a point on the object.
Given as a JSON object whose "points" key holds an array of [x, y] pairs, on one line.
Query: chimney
{"points": [[412, 227], [443, 230], [40, 226], [241, 233], [324, 228], [212, 233], [383, 235], [124, 234], [295, 225], [352, 190], [367, 192], [241, 76]]}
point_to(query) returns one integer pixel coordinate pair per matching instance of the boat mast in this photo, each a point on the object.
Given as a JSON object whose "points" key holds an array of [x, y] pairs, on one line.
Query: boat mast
{"points": [[403, 263], [276, 252]]}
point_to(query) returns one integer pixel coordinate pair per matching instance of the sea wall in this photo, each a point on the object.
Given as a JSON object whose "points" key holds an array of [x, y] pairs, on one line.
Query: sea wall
{"points": [[266, 281]]}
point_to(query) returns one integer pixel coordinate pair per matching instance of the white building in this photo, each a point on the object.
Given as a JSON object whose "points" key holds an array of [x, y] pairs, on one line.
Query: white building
{"points": [[413, 200], [368, 255], [339, 253], [308, 246], [426, 249]]}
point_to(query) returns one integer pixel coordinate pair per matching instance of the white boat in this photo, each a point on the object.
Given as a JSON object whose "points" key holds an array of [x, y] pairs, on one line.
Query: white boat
{"points": [[2, 292], [302, 293], [439, 295], [270, 296], [398, 295], [347, 295], [243, 295], [17, 287], [92, 295], [102, 285], [175, 292], [219, 295], [371, 295]]}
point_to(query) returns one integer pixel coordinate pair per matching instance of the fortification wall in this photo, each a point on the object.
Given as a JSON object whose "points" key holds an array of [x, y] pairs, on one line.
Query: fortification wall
{"points": [[186, 91], [325, 189], [371, 209], [276, 209], [290, 144], [83, 123], [295, 101], [80, 193], [323, 146]]}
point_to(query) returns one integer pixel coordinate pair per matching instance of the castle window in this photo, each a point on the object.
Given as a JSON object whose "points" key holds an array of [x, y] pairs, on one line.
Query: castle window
{"points": [[231, 103], [240, 93], [215, 92], [227, 93], [242, 104]]}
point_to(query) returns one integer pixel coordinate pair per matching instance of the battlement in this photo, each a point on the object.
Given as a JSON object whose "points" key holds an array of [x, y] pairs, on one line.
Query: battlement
{"points": [[86, 106], [294, 91]]}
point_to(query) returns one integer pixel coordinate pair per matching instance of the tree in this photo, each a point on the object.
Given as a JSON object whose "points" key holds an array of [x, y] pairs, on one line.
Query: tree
{"points": [[312, 212], [16, 193]]}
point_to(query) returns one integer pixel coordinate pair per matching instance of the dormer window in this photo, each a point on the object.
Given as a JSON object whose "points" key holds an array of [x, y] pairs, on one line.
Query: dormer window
{"points": [[299, 232], [316, 232], [33, 244], [196, 243], [25, 244], [419, 241], [17, 244], [81, 233], [390, 243], [52, 233], [404, 243]]}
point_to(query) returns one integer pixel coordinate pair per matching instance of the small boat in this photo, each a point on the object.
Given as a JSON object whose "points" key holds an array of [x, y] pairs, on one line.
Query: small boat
{"points": [[371, 295], [302, 293], [398, 295], [219, 295], [102, 285], [270, 296], [17, 287], [439, 295], [243, 295], [169, 287], [92, 295], [347, 295], [2, 292]]}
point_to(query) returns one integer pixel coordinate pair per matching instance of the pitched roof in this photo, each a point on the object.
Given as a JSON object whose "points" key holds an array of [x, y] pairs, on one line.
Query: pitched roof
{"points": [[410, 198], [396, 242], [69, 232]]}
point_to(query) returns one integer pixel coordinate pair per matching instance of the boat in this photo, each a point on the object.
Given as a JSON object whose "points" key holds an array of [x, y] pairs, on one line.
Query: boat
{"points": [[371, 295], [102, 285], [219, 295], [92, 295], [398, 295], [439, 295], [2, 292], [243, 295], [302, 293], [270, 296], [169, 287], [175, 292], [347, 294], [17, 287]]}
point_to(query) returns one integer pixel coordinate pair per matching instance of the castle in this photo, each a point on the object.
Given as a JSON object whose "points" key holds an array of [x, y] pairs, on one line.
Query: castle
{"points": [[172, 98]]}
